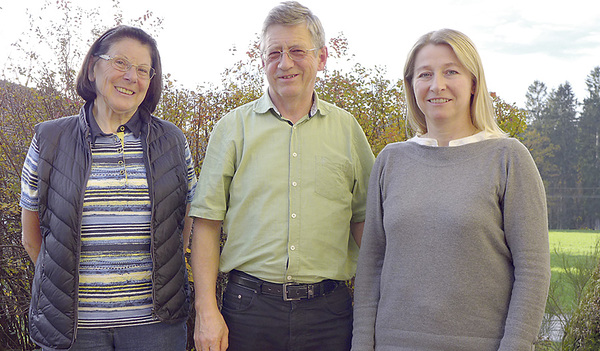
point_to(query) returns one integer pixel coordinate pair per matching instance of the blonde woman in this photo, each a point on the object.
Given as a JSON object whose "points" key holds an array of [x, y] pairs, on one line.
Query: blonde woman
{"points": [[455, 252]]}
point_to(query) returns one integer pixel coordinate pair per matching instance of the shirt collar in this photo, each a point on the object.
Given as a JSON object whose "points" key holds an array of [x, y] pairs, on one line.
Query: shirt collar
{"points": [[134, 124], [264, 104], [483, 135]]}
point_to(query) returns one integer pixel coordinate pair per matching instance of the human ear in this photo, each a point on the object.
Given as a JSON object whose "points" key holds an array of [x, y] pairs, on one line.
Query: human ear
{"points": [[91, 73], [322, 58]]}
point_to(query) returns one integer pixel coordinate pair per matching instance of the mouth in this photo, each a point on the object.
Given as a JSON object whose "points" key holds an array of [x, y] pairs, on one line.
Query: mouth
{"points": [[289, 76], [124, 91], [438, 100]]}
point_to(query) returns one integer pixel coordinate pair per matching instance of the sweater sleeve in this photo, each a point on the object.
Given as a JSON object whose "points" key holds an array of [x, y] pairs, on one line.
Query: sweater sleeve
{"points": [[370, 262], [526, 232], [30, 178]]}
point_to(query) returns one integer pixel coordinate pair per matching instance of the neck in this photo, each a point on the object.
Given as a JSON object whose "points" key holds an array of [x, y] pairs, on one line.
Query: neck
{"points": [[445, 134], [108, 120], [292, 109]]}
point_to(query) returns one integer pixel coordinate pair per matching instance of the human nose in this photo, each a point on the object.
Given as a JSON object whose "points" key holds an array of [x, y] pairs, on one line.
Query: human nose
{"points": [[438, 83], [286, 60], [131, 73]]}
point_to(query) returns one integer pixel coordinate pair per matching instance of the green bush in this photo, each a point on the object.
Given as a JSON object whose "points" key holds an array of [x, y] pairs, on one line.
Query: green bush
{"points": [[583, 330]]}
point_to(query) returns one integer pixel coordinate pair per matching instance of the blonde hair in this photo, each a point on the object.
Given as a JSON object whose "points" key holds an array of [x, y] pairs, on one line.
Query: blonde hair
{"points": [[482, 109]]}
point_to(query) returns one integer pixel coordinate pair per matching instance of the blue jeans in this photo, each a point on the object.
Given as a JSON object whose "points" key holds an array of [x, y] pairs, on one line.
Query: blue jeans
{"points": [[157, 336], [263, 322]]}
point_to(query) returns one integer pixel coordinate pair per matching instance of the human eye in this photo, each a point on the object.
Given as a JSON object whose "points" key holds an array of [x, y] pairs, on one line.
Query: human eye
{"points": [[273, 55], [121, 63], [424, 75], [143, 71], [298, 53]]}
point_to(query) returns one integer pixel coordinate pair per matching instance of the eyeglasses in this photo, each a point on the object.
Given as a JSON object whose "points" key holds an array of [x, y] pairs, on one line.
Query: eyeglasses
{"points": [[295, 54], [122, 64]]}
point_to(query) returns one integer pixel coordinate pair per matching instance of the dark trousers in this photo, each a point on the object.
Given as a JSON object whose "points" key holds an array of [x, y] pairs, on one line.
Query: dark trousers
{"points": [[157, 336], [267, 323]]}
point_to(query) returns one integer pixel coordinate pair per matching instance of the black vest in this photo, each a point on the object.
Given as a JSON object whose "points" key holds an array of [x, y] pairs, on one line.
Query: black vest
{"points": [[63, 169]]}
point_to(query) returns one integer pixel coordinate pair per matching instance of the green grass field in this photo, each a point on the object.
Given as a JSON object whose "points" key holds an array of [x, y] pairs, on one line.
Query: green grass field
{"points": [[573, 254], [574, 241]]}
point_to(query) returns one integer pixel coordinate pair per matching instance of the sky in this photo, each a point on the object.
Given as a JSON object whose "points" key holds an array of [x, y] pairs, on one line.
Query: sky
{"points": [[519, 41]]}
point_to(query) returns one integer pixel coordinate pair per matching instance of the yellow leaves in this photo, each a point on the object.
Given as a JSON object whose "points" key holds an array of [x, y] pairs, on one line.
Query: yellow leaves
{"points": [[9, 209], [189, 268], [511, 119]]}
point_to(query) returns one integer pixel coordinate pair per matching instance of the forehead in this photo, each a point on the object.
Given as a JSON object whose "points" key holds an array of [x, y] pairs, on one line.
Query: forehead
{"points": [[287, 35], [436, 54], [131, 49]]}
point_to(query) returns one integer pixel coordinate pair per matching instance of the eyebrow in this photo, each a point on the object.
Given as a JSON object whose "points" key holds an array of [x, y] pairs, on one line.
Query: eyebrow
{"points": [[128, 59], [280, 46], [450, 64]]}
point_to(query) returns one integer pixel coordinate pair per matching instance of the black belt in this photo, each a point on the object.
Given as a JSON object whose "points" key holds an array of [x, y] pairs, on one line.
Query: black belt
{"points": [[288, 291]]}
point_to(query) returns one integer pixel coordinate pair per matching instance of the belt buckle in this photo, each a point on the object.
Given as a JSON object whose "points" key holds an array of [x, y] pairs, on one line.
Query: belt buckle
{"points": [[286, 292]]}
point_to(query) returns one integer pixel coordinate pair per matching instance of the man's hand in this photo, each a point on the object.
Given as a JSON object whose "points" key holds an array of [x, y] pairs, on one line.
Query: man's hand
{"points": [[211, 332]]}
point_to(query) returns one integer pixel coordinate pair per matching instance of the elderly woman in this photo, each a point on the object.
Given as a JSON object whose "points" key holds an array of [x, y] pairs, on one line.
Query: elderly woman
{"points": [[104, 204], [455, 249]]}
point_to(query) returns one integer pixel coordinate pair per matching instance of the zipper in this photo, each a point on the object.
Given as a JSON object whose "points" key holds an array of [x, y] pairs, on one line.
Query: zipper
{"points": [[152, 209], [82, 198]]}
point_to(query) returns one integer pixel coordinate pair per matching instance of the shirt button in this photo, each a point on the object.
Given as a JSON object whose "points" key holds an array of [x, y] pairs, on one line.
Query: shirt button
{"points": [[294, 154], [294, 183], [292, 247], [293, 215], [289, 277], [122, 172], [121, 128]]}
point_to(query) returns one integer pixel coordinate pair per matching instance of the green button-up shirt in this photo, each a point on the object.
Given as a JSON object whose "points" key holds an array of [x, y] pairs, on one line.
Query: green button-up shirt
{"points": [[286, 193]]}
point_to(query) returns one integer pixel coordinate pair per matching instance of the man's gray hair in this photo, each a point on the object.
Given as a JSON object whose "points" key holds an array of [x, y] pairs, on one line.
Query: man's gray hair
{"points": [[290, 13]]}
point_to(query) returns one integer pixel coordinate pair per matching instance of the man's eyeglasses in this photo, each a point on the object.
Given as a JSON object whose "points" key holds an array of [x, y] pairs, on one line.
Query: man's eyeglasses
{"points": [[295, 54], [122, 64]]}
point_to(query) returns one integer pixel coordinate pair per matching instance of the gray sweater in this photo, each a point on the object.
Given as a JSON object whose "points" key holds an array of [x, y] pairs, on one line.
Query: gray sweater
{"points": [[455, 252]]}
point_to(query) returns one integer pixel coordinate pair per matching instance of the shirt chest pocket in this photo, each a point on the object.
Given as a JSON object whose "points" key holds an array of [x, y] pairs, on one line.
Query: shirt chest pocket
{"points": [[333, 177]]}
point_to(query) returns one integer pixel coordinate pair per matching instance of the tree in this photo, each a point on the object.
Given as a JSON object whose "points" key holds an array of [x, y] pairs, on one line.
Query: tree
{"points": [[51, 51], [588, 149], [511, 119], [197, 111], [374, 100], [20, 109], [559, 125], [536, 101], [535, 137]]}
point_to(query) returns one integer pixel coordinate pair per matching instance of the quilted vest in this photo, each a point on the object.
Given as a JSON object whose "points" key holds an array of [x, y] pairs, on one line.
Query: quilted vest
{"points": [[63, 169]]}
